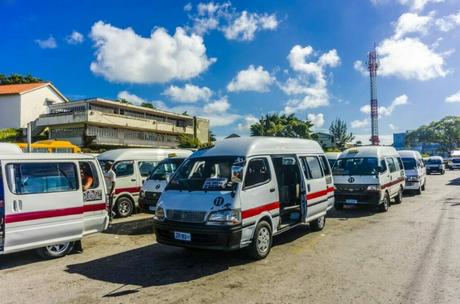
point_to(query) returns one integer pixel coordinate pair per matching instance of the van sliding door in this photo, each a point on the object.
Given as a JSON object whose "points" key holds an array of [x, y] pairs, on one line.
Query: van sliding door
{"points": [[2, 211]]}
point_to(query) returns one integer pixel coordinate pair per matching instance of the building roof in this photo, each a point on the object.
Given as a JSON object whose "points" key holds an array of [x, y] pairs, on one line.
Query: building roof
{"points": [[142, 153], [259, 145], [22, 88]]}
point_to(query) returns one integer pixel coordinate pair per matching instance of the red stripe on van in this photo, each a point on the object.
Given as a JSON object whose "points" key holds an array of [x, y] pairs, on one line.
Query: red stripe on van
{"points": [[130, 190], [399, 180], [37, 215], [258, 210], [314, 195]]}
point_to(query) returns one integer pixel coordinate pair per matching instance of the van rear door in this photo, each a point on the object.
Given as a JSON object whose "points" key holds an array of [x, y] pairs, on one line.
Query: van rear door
{"points": [[44, 204]]}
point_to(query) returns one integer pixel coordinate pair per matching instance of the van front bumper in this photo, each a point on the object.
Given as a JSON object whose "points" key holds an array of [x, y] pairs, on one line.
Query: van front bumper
{"points": [[361, 198], [415, 185], [202, 236]]}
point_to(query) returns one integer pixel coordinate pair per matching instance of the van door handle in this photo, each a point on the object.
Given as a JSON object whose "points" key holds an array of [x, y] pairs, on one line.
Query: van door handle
{"points": [[272, 190], [308, 187], [15, 205], [20, 205], [133, 180]]}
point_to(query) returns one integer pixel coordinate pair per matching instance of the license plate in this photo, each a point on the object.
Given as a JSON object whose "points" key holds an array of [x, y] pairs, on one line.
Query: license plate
{"points": [[152, 208], [182, 236], [351, 201]]}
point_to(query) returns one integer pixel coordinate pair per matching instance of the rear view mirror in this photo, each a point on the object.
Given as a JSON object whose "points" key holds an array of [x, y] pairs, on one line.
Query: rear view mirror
{"points": [[237, 173]]}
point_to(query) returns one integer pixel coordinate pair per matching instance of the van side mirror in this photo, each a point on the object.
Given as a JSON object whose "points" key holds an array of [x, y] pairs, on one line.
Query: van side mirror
{"points": [[237, 173]]}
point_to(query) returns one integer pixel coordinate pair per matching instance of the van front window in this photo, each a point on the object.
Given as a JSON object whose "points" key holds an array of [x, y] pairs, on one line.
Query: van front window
{"points": [[356, 166], [165, 167], [409, 163], [204, 174]]}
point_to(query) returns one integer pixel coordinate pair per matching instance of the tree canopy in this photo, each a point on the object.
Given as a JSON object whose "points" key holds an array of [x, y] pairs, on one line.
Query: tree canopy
{"points": [[282, 125], [445, 132], [18, 79], [339, 132], [188, 141]]}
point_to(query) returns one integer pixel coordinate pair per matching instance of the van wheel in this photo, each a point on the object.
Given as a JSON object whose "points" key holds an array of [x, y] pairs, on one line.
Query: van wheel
{"points": [[399, 197], [338, 206], [419, 190], [424, 184], [262, 241], [124, 207], [383, 207], [318, 224], [55, 251], [443, 171]]}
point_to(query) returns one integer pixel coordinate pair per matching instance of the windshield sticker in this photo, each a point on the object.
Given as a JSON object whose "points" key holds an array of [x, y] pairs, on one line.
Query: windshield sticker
{"points": [[213, 183]]}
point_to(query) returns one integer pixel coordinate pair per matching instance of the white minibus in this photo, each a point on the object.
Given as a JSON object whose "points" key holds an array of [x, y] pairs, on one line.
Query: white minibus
{"points": [[43, 205], [369, 175], [242, 191], [132, 167], [435, 164], [414, 170], [156, 182], [7, 148]]}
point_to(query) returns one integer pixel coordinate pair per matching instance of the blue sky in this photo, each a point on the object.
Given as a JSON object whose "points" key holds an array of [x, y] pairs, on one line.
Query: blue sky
{"points": [[234, 61]]}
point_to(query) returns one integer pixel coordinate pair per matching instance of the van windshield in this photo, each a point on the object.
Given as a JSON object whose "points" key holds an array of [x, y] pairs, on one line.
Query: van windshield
{"points": [[409, 163], [165, 167], [433, 161], [356, 166], [456, 160], [204, 174]]}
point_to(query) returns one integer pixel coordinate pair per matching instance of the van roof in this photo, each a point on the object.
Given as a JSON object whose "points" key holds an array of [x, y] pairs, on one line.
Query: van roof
{"points": [[7, 148], [260, 145], [131, 154], [409, 153], [435, 157], [45, 156], [369, 151], [332, 155]]}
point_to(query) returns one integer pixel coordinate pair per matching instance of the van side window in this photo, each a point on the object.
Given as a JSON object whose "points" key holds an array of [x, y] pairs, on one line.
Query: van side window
{"points": [[325, 165], [383, 165], [399, 164], [146, 167], [313, 167], [391, 164], [124, 168], [89, 170], [258, 172], [29, 178]]}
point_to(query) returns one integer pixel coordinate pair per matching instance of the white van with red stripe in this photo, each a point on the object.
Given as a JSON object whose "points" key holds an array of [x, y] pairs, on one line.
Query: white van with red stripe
{"points": [[369, 175], [242, 191], [132, 167], [43, 206]]}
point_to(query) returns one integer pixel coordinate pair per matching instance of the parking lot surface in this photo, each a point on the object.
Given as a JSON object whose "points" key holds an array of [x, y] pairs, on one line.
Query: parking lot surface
{"points": [[411, 254]]}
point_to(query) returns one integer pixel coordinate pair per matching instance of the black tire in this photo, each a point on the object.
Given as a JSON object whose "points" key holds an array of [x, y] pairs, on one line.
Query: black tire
{"points": [[261, 242], [383, 207], [424, 185], [318, 224], [399, 197], [338, 206], [443, 171], [124, 207], [55, 251], [419, 190]]}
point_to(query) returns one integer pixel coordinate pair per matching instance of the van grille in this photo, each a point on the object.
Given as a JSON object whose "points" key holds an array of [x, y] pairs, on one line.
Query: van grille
{"points": [[350, 187], [186, 216]]}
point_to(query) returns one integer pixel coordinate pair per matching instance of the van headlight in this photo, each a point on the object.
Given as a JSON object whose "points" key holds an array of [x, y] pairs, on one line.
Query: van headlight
{"points": [[160, 214], [412, 178], [142, 193], [224, 217], [373, 188]]}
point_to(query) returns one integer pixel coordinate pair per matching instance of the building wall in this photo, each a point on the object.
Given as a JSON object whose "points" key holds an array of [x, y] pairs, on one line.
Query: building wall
{"points": [[399, 140], [202, 130], [34, 103], [10, 111]]}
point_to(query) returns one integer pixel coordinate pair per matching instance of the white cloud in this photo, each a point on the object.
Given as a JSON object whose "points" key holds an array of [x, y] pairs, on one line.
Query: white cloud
{"points": [[449, 22], [392, 127], [310, 81], [409, 58], [358, 65], [188, 7], [418, 5], [218, 106], [49, 43], [75, 38], [136, 100], [357, 124], [251, 79], [124, 56], [454, 97], [316, 119], [188, 94], [412, 23], [245, 125], [235, 25], [387, 111]]}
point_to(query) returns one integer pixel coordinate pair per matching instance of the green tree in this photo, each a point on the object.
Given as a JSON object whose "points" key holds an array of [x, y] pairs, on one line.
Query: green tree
{"points": [[338, 130], [188, 141], [211, 136], [18, 79], [124, 101], [445, 132], [282, 126], [10, 135], [147, 105]]}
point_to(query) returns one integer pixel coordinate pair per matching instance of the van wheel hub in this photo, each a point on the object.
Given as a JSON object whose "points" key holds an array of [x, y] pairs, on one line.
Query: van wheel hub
{"points": [[263, 240], [58, 249]]}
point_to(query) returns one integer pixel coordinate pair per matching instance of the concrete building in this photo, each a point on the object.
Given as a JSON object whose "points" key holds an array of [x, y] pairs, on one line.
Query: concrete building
{"points": [[326, 140], [23, 103], [100, 122]]}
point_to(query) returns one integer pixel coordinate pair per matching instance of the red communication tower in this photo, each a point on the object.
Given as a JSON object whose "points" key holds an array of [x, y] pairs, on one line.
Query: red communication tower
{"points": [[372, 66]]}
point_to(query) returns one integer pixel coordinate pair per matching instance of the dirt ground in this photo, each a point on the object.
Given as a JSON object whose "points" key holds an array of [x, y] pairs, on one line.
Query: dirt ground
{"points": [[411, 254]]}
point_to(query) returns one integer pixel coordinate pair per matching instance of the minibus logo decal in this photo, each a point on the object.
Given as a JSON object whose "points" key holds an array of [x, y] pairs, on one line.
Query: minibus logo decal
{"points": [[218, 201], [351, 180], [157, 186]]}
